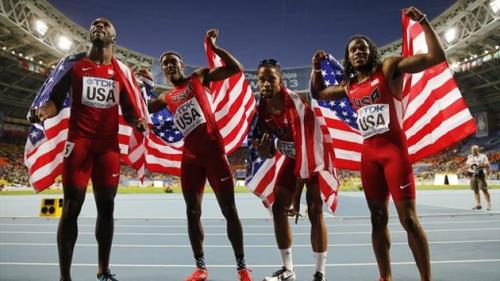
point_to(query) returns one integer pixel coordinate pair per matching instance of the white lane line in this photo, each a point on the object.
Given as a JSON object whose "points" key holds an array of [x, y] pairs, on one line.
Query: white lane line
{"points": [[246, 246], [270, 225], [250, 266], [271, 233]]}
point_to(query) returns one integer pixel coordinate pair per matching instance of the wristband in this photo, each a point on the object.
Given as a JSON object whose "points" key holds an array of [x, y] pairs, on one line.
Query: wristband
{"points": [[316, 70]]}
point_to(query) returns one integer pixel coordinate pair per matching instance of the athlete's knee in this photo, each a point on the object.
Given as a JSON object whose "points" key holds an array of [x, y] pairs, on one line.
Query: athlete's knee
{"points": [[410, 223], [105, 207], [193, 213], [229, 211], [379, 219], [71, 209]]}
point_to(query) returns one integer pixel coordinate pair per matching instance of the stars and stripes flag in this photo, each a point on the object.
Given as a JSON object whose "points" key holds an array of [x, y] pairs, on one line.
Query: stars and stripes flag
{"points": [[44, 150], [340, 118], [432, 112], [435, 115], [313, 153], [233, 104]]}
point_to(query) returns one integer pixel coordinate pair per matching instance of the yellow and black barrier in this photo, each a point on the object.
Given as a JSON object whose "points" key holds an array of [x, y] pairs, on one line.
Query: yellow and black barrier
{"points": [[51, 207]]}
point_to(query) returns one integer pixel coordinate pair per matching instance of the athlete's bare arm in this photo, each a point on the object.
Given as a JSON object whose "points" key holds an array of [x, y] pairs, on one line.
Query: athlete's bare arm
{"points": [[54, 105], [231, 67], [395, 67], [320, 91]]}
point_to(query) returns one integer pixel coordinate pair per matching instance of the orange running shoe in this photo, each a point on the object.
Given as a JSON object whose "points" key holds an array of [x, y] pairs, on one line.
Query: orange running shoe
{"points": [[198, 274], [244, 275]]}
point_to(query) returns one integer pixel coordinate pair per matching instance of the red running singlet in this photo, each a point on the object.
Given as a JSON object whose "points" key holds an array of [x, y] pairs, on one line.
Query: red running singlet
{"points": [[385, 166]]}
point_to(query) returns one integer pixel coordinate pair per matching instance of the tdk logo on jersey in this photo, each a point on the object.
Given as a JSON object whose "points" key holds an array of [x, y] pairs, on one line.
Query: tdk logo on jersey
{"points": [[188, 116], [99, 92], [367, 100], [373, 119]]}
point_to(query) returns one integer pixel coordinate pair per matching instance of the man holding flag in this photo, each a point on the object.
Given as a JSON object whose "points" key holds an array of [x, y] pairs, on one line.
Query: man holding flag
{"points": [[98, 85], [293, 139], [382, 92], [204, 150]]}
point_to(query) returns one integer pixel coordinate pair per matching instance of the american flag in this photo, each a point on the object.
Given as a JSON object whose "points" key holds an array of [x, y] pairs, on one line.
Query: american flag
{"points": [[313, 153], [435, 115], [340, 118], [44, 150], [233, 104]]}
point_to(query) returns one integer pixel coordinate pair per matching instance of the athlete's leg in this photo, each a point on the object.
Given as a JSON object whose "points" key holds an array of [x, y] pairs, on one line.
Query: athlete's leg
{"points": [[416, 237], [105, 179], [76, 173], [319, 233], [193, 180], [401, 183], [377, 195], [474, 183]]}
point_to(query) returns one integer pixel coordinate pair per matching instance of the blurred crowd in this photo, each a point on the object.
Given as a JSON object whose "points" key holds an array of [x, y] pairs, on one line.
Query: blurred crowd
{"points": [[452, 160]]}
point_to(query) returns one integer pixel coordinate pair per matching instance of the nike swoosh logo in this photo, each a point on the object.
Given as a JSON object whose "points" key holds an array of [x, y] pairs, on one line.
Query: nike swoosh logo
{"points": [[115, 175], [86, 68], [404, 186], [225, 179]]}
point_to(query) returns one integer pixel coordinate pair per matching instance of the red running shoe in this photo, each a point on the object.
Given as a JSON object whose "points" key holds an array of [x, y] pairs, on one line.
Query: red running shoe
{"points": [[198, 274], [244, 275]]}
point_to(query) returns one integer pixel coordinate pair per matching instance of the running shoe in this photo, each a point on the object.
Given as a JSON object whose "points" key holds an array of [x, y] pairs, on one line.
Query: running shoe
{"points": [[199, 274], [478, 207], [318, 276], [244, 275], [281, 275], [107, 276]]}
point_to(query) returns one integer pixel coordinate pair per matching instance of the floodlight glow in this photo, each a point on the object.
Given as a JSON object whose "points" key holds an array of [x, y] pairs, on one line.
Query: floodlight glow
{"points": [[495, 6], [20, 55], [4, 48], [450, 35], [40, 62], [41, 27], [64, 43]]}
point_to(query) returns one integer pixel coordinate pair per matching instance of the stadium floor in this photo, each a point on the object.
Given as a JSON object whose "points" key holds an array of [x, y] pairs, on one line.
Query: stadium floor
{"points": [[151, 243]]}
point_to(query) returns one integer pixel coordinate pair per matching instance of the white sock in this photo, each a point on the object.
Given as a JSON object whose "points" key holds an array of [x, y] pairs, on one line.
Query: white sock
{"points": [[320, 259], [286, 257]]}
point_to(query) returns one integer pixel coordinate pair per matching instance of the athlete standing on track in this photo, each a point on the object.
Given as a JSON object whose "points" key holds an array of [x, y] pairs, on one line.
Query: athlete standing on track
{"points": [[371, 86], [97, 86], [204, 154], [274, 120]]}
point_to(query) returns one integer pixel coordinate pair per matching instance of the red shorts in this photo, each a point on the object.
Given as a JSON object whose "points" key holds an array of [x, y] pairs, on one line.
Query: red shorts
{"points": [[386, 169], [209, 163], [286, 176], [86, 158]]}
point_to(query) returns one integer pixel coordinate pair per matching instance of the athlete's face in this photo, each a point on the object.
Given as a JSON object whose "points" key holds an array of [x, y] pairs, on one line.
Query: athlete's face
{"points": [[359, 53], [102, 32], [269, 80], [475, 150], [172, 67]]}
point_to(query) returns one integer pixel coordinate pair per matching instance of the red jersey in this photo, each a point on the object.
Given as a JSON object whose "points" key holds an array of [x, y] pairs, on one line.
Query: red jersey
{"points": [[95, 96], [193, 114], [280, 126], [374, 103]]}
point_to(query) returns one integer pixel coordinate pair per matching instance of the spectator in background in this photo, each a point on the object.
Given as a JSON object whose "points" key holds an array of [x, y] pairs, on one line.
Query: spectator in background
{"points": [[476, 164]]}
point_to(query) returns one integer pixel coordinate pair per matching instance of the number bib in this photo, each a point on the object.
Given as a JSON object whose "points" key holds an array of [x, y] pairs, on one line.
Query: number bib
{"points": [[373, 120], [189, 116], [100, 92], [286, 148]]}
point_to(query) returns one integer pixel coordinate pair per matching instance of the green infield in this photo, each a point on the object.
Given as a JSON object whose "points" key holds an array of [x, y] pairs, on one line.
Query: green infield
{"points": [[238, 189]]}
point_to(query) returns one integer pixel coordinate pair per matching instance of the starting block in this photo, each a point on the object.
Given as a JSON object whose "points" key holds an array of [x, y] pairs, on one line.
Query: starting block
{"points": [[51, 207]]}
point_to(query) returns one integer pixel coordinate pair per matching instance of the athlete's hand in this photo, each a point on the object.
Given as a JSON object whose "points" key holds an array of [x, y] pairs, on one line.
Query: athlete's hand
{"points": [[264, 145], [212, 36], [317, 58], [141, 125], [46, 111], [145, 75], [414, 14]]}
